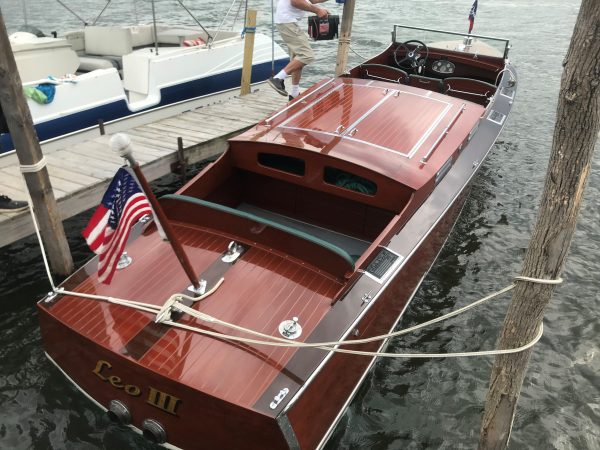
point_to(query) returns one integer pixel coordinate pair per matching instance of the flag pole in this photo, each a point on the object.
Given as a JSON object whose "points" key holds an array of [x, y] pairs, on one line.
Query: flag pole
{"points": [[122, 144]]}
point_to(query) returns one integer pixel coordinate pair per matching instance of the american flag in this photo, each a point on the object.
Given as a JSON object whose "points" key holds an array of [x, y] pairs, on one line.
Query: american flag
{"points": [[472, 15], [123, 204]]}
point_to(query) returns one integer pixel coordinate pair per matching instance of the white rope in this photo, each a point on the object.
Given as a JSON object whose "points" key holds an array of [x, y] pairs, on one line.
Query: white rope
{"points": [[275, 341], [223, 21], [506, 69], [356, 53], [31, 168], [539, 280], [359, 352], [207, 318]]}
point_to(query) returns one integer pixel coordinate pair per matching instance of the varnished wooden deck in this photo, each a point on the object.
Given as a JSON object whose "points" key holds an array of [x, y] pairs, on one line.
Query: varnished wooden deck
{"points": [[80, 172], [259, 291]]}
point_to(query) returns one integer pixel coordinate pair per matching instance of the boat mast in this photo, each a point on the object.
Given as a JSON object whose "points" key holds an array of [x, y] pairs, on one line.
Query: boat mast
{"points": [[154, 29]]}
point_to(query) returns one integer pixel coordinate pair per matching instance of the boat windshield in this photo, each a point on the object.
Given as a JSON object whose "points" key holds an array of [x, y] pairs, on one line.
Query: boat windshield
{"points": [[447, 40]]}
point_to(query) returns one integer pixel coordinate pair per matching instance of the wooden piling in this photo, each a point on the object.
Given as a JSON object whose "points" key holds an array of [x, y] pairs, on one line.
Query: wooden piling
{"points": [[575, 135], [250, 30], [30, 156], [344, 39]]}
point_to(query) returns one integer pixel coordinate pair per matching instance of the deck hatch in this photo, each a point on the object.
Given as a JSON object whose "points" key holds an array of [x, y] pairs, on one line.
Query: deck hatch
{"points": [[383, 263]]}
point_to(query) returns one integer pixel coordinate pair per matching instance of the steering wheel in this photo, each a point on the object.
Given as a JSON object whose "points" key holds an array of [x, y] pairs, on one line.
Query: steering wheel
{"points": [[413, 59]]}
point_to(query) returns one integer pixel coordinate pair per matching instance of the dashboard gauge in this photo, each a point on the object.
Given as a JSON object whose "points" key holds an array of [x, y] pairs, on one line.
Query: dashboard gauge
{"points": [[443, 66]]}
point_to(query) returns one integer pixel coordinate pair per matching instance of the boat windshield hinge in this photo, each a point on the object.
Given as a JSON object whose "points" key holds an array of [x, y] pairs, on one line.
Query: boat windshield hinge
{"points": [[234, 250], [290, 329]]}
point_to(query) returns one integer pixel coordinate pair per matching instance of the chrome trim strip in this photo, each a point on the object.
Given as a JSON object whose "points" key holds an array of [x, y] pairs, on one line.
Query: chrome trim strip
{"points": [[443, 134], [387, 149], [328, 133], [453, 33], [385, 98], [288, 431], [372, 302], [267, 120], [314, 102], [137, 430], [430, 130], [362, 378]]}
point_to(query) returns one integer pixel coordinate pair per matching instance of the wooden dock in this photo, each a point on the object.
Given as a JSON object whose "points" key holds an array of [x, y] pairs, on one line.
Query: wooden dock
{"points": [[80, 173]]}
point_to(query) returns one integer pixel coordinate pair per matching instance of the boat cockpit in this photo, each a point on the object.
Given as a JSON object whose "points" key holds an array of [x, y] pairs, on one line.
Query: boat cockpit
{"points": [[324, 211], [462, 66]]}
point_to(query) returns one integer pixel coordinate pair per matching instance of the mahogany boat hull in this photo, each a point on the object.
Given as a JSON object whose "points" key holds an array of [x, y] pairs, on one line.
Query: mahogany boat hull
{"points": [[191, 418], [412, 151]]}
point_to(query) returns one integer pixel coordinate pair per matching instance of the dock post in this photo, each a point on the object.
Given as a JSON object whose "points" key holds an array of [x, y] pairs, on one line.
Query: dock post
{"points": [[344, 39], [575, 135], [249, 31], [30, 157]]}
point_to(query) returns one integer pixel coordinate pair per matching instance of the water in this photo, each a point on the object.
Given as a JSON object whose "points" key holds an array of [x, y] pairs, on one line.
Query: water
{"points": [[413, 404]]}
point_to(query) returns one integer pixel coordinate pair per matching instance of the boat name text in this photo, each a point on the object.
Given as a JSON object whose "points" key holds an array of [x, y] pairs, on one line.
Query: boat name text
{"points": [[161, 400]]}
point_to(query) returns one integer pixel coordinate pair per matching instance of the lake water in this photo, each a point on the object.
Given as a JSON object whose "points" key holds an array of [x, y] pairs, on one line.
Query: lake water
{"points": [[415, 404]]}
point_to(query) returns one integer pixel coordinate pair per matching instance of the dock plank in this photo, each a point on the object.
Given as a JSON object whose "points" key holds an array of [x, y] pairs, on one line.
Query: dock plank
{"points": [[80, 172]]}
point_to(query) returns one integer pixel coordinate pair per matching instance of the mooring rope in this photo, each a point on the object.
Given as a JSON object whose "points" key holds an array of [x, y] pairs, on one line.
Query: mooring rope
{"points": [[332, 346], [31, 168]]}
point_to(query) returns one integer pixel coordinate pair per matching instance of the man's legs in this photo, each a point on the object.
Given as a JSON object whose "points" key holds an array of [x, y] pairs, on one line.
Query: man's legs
{"points": [[301, 54]]}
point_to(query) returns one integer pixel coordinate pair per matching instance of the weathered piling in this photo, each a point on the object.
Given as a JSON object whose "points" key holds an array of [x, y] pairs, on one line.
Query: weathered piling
{"points": [[249, 31], [344, 39], [575, 135], [31, 159]]}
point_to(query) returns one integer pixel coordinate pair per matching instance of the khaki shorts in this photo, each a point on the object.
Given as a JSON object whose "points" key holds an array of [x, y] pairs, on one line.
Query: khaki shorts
{"points": [[297, 42]]}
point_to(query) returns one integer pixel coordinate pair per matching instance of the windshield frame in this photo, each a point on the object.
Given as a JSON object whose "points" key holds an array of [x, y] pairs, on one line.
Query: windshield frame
{"points": [[453, 33]]}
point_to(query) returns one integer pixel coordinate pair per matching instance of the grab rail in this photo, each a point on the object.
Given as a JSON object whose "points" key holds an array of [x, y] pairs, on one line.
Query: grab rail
{"points": [[425, 158]]}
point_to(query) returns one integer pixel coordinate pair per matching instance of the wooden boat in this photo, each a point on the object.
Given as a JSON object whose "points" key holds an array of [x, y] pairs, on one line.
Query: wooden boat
{"points": [[317, 225], [129, 75]]}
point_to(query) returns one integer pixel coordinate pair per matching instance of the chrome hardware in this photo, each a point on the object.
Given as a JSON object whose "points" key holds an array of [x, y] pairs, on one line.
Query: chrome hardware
{"points": [[340, 129], [356, 332], [200, 290], [234, 250], [278, 398], [385, 91], [124, 261], [118, 412], [475, 164], [290, 329], [366, 298], [397, 94], [145, 219], [353, 132], [51, 295], [154, 431]]}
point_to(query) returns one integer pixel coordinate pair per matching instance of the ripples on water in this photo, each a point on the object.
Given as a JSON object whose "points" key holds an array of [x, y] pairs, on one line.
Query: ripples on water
{"points": [[402, 403]]}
